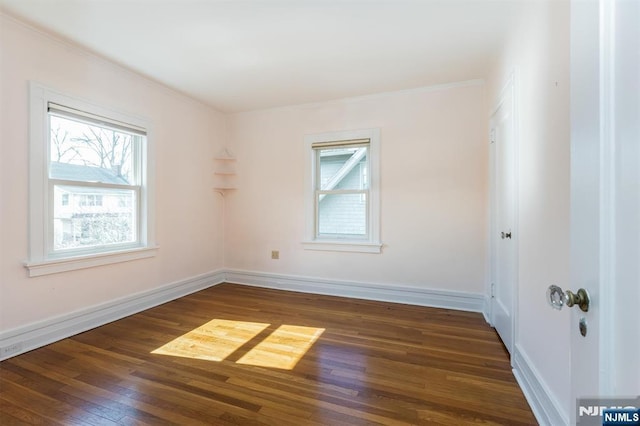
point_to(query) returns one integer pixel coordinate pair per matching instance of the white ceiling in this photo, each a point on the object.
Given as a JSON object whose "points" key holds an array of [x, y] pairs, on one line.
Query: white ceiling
{"points": [[250, 54]]}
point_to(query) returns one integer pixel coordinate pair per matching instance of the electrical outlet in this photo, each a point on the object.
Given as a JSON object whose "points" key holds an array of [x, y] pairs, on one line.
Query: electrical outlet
{"points": [[275, 254], [11, 349]]}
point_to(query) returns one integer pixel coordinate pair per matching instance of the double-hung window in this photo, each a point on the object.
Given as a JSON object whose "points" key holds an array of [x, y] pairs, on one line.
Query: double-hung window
{"points": [[90, 189], [342, 191]]}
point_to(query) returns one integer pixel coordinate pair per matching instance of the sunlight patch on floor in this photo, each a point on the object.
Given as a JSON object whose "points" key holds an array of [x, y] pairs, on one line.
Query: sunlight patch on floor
{"points": [[213, 341], [283, 348], [218, 339]]}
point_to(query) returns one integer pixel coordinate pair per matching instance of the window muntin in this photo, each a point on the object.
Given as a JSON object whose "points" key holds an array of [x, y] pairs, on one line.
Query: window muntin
{"points": [[95, 181]]}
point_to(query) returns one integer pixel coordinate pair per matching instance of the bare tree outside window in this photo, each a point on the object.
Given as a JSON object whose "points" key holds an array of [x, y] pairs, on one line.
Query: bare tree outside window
{"points": [[83, 155], [74, 142]]}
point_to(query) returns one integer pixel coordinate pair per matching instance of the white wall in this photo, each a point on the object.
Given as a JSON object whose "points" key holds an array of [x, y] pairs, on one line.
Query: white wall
{"points": [[188, 212], [538, 51], [433, 189], [434, 193]]}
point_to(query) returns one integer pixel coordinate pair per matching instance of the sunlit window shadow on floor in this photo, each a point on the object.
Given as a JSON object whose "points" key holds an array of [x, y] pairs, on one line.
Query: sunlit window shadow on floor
{"points": [[283, 348], [213, 341], [218, 339]]}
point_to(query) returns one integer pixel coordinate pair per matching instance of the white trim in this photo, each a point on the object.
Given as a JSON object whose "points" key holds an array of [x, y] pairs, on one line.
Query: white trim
{"points": [[510, 88], [618, 292], [606, 293], [350, 246], [372, 244], [41, 261], [458, 300], [55, 266], [32, 336], [491, 228], [515, 232], [546, 408], [486, 310], [42, 333]]}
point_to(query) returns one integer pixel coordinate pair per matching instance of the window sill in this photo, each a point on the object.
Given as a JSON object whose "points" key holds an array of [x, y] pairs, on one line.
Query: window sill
{"points": [[349, 246], [54, 266]]}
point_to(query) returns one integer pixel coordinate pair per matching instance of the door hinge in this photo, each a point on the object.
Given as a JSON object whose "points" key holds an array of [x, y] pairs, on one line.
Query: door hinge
{"points": [[493, 290]]}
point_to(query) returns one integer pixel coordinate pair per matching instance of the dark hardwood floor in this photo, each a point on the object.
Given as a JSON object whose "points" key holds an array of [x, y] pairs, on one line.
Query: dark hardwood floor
{"points": [[236, 355]]}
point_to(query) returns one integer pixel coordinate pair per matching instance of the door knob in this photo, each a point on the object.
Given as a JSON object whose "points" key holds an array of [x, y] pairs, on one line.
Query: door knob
{"points": [[557, 298]]}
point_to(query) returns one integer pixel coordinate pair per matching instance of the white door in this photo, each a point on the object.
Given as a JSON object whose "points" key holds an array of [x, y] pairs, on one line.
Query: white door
{"points": [[503, 227], [605, 199]]}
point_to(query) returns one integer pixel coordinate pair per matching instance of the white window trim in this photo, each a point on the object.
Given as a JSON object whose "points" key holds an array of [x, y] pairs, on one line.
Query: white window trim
{"points": [[40, 261], [373, 243]]}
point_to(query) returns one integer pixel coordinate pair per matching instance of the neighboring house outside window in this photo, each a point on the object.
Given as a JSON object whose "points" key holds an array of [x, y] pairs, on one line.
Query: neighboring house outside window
{"points": [[90, 217], [90, 200], [91, 185], [342, 193]]}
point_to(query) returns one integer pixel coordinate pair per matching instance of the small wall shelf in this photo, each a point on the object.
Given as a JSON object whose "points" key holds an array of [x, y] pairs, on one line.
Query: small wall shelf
{"points": [[224, 170]]}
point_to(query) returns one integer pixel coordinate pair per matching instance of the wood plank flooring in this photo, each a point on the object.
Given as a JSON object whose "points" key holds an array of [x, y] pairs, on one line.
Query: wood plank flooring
{"points": [[237, 355]]}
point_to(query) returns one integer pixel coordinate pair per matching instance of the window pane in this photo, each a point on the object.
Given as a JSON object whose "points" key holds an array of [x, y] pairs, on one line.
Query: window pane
{"points": [[342, 214], [90, 153], [343, 168], [85, 217]]}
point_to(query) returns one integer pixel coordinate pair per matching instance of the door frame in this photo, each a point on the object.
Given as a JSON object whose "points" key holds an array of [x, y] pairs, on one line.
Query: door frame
{"points": [[594, 107], [509, 89]]}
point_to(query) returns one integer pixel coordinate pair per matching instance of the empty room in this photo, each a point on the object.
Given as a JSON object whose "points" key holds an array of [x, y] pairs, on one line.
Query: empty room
{"points": [[313, 212]]}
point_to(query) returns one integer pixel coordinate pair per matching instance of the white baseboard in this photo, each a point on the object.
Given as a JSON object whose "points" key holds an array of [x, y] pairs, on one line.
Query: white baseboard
{"points": [[387, 293], [23, 339], [544, 406], [486, 310]]}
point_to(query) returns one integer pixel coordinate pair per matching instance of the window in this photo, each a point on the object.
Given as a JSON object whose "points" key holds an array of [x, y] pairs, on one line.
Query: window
{"points": [[91, 185], [342, 191], [90, 200]]}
